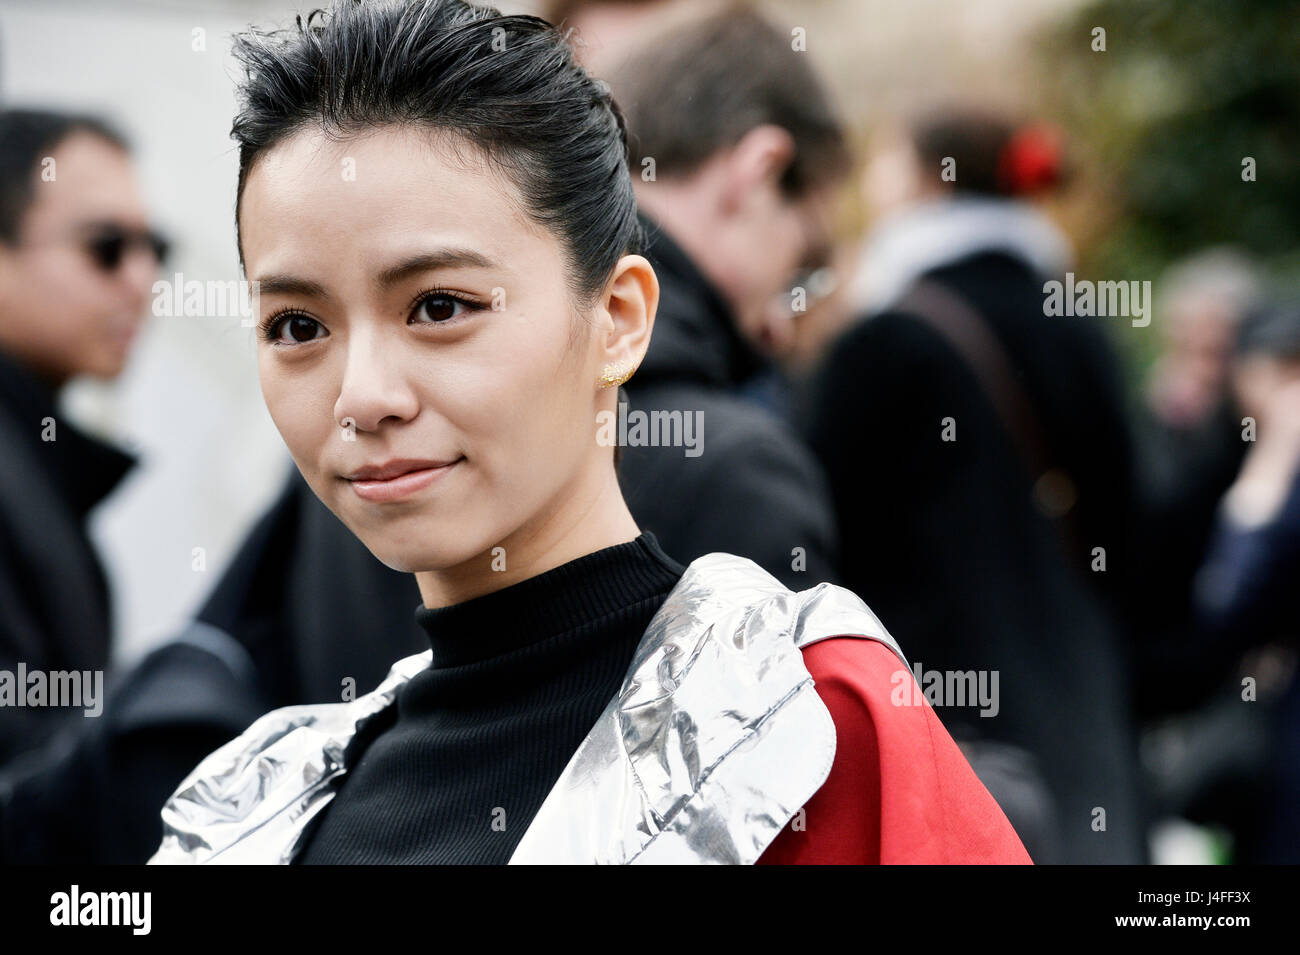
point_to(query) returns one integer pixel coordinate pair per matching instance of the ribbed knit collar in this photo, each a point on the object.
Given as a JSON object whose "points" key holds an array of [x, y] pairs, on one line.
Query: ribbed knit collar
{"points": [[583, 591]]}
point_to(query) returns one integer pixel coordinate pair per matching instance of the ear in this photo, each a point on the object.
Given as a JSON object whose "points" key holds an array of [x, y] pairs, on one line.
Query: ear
{"points": [[630, 301], [759, 159]]}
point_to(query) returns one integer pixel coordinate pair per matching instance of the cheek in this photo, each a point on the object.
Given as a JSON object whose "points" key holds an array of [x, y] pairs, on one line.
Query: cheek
{"points": [[65, 294], [297, 408], [771, 259], [740, 262], [524, 420]]}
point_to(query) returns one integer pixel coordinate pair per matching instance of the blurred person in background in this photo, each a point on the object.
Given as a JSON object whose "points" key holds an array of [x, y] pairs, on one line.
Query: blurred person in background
{"points": [[978, 453], [1190, 451], [77, 264], [1203, 299], [78, 259], [1241, 757], [605, 35], [736, 155]]}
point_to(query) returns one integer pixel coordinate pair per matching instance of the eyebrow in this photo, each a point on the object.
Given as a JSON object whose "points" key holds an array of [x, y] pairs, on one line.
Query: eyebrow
{"points": [[429, 261], [290, 285], [423, 262]]}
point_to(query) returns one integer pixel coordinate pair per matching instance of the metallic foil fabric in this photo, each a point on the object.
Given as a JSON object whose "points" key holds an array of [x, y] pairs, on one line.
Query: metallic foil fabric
{"points": [[715, 741]]}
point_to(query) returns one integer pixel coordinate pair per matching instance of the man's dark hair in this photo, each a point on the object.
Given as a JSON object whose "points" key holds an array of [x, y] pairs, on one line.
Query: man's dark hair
{"points": [[507, 84], [700, 86], [26, 137]]}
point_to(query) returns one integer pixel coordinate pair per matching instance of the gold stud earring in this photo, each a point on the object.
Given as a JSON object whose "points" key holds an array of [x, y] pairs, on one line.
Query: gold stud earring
{"points": [[616, 372]]}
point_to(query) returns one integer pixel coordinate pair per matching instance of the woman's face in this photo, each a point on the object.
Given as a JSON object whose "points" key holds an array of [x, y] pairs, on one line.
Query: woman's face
{"points": [[418, 323]]}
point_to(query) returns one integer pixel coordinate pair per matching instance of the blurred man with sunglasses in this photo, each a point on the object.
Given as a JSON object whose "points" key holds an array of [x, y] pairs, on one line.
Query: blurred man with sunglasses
{"points": [[77, 264]]}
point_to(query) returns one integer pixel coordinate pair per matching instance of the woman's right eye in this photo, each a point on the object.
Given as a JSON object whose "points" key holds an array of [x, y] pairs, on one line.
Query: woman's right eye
{"points": [[295, 330]]}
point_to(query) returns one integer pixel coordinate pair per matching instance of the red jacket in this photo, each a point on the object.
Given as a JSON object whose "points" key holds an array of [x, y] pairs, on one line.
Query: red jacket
{"points": [[899, 791]]}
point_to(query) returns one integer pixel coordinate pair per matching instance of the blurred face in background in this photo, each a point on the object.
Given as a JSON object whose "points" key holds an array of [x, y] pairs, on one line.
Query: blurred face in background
{"points": [[811, 275], [75, 287], [421, 352], [892, 178], [751, 239], [1200, 332], [799, 245]]}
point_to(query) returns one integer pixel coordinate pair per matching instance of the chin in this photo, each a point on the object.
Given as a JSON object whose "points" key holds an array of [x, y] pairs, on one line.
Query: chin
{"points": [[412, 554], [104, 367], [401, 563], [88, 366], [412, 538], [414, 562]]}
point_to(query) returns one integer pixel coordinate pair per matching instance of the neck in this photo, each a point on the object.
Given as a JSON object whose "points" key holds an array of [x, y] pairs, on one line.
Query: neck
{"points": [[687, 211], [579, 521]]}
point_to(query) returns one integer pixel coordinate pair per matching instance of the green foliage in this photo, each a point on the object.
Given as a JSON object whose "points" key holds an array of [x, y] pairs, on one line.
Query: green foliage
{"points": [[1185, 90]]}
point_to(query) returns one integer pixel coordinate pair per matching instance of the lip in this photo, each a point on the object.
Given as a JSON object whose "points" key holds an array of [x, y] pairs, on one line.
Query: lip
{"points": [[394, 480]]}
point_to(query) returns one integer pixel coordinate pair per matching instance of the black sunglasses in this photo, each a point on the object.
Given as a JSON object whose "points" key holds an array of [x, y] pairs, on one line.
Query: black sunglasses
{"points": [[108, 244]]}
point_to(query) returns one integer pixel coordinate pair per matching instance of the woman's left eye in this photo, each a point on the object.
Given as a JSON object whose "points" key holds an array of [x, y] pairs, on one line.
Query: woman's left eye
{"points": [[439, 308]]}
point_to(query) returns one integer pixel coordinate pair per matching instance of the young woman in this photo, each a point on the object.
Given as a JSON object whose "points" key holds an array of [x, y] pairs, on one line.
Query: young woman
{"points": [[435, 202]]}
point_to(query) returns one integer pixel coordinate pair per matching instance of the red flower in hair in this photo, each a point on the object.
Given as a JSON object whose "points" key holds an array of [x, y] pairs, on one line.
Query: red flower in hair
{"points": [[1031, 160]]}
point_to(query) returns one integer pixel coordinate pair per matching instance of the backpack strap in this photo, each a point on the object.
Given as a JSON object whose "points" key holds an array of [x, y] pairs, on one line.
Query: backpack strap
{"points": [[968, 332]]}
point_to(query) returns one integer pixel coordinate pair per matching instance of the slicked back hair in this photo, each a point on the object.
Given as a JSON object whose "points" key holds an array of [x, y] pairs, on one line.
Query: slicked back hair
{"points": [[508, 85]]}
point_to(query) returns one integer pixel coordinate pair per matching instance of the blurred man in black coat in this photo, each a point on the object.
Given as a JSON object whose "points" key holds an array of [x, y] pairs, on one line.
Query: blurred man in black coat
{"points": [[735, 153], [77, 263]]}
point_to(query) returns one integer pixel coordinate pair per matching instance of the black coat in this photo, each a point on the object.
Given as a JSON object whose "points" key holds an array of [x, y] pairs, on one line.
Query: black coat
{"points": [[54, 602], [942, 541], [754, 490]]}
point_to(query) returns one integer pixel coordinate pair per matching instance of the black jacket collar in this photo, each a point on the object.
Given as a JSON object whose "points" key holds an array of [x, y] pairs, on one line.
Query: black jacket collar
{"points": [[83, 468], [695, 335]]}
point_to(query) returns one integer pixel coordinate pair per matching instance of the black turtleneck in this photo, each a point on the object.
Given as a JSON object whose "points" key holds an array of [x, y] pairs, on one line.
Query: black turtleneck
{"points": [[457, 768]]}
